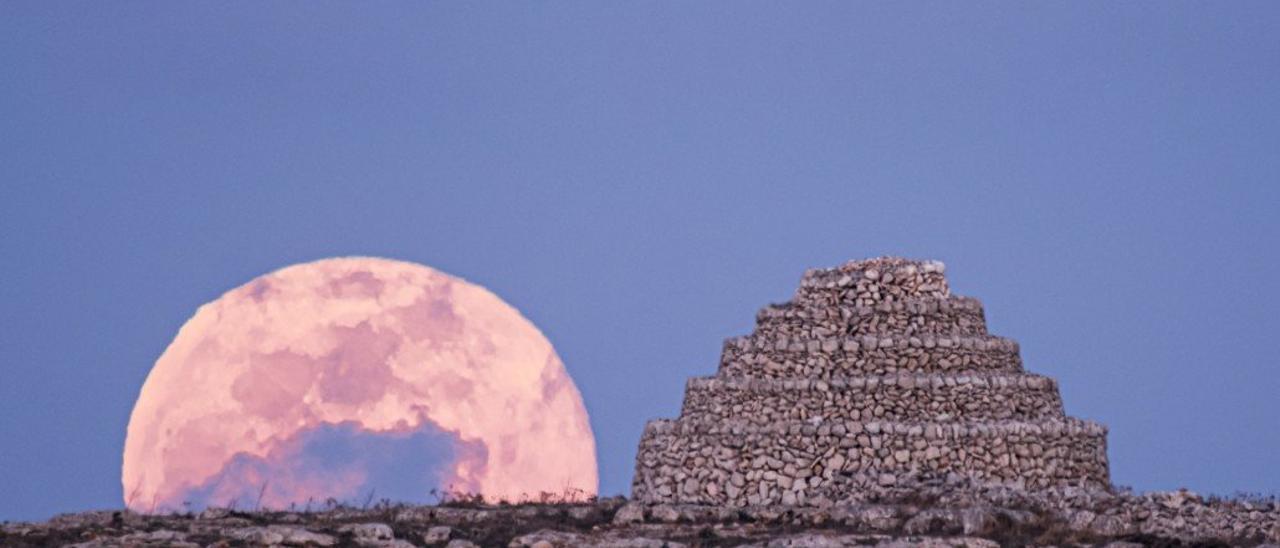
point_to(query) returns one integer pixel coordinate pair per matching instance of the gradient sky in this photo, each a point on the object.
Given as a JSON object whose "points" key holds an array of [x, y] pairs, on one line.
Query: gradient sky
{"points": [[638, 179]]}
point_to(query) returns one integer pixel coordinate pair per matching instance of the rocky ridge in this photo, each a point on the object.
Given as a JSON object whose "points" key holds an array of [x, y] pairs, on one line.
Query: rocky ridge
{"points": [[919, 515]]}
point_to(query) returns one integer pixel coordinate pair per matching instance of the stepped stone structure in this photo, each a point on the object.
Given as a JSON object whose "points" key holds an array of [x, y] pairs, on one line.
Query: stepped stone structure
{"points": [[874, 376]]}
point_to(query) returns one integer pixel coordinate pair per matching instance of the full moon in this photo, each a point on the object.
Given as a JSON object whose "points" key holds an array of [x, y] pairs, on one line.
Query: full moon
{"points": [[355, 378]]}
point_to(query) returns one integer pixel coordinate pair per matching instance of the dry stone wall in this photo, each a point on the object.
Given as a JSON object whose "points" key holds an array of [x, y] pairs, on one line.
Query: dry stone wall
{"points": [[866, 354], [872, 376], [904, 397], [833, 315], [793, 463]]}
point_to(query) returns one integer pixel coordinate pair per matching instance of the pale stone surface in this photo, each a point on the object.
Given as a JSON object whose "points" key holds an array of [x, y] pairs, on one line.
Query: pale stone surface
{"points": [[630, 513], [369, 531], [256, 535], [437, 535], [664, 513], [296, 536]]}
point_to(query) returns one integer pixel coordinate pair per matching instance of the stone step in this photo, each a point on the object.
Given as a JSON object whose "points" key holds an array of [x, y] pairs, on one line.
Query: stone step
{"points": [[829, 357], [899, 397], [736, 464], [953, 315], [929, 429]]}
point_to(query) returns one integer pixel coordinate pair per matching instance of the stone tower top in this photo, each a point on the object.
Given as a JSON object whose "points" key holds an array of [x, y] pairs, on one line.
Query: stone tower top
{"points": [[878, 279]]}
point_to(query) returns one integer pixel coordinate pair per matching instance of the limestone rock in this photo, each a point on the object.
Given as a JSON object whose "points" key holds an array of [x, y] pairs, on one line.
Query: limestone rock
{"points": [[160, 536], [631, 512], [437, 535], [546, 539], [664, 513], [876, 518], [934, 521], [256, 535], [369, 531], [374, 535], [927, 542], [296, 536], [920, 511]]}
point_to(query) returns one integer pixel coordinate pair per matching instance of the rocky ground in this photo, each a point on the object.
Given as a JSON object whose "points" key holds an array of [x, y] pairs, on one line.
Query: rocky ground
{"points": [[917, 518]]}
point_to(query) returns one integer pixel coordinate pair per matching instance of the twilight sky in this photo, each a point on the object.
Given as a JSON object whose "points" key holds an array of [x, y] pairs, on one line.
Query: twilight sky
{"points": [[638, 179]]}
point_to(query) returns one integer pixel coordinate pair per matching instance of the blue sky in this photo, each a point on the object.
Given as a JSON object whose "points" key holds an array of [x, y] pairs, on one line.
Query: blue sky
{"points": [[638, 179]]}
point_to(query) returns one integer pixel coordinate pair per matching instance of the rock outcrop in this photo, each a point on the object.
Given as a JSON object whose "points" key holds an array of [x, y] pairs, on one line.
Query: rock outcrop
{"points": [[935, 516], [873, 376]]}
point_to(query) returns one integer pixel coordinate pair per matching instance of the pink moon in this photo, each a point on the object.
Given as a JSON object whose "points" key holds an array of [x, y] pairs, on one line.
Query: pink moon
{"points": [[345, 377]]}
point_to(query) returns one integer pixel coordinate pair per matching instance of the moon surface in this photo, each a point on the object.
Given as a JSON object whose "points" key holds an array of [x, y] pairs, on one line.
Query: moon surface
{"points": [[349, 377]]}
